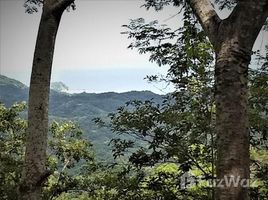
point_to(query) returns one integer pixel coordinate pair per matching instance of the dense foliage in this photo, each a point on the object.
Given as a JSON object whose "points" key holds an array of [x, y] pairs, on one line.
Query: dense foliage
{"points": [[181, 129], [164, 150], [67, 152], [168, 154]]}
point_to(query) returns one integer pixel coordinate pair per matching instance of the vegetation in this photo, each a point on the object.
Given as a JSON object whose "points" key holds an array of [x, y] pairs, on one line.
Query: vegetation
{"points": [[204, 41], [160, 160], [82, 109], [212, 127], [164, 150], [67, 152]]}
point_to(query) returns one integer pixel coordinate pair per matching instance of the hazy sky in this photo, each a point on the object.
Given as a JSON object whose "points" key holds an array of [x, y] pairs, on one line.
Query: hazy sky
{"points": [[90, 52]]}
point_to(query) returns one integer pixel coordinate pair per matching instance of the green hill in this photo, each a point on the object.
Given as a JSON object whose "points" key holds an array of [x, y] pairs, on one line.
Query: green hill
{"points": [[82, 108], [5, 81], [12, 91]]}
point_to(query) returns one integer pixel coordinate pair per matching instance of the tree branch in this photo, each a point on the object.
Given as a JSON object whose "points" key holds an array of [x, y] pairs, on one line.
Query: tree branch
{"points": [[57, 5], [207, 17], [246, 20], [63, 4]]}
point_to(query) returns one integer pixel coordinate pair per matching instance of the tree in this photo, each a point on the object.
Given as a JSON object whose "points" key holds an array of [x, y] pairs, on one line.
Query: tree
{"points": [[35, 171], [68, 151], [232, 39], [181, 131], [12, 139]]}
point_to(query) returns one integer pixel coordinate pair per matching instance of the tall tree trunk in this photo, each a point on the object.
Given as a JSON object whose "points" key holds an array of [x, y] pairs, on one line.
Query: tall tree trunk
{"points": [[35, 172], [233, 39], [232, 122]]}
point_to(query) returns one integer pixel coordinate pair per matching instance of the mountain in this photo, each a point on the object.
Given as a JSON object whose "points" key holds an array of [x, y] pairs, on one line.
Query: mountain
{"points": [[81, 108], [59, 87], [5, 81], [12, 90]]}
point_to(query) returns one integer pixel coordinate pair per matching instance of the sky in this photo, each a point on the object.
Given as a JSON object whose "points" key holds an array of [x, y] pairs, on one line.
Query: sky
{"points": [[90, 53]]}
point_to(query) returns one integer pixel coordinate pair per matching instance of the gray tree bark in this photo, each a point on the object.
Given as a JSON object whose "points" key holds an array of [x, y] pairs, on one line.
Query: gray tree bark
{"points": [[233, 39], [35, 172]]}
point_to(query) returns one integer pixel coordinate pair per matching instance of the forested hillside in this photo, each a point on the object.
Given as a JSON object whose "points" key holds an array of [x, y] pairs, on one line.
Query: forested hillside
{"points": [[81, 108]]}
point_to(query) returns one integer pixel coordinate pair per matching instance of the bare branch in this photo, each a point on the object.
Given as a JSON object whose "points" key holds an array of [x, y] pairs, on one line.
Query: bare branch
{"points": [[207, 17]]}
